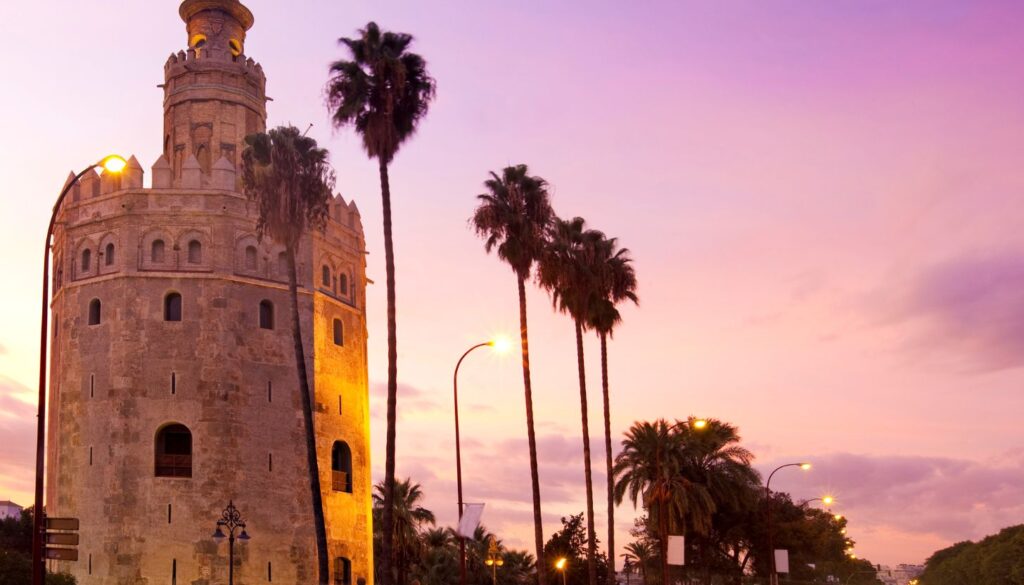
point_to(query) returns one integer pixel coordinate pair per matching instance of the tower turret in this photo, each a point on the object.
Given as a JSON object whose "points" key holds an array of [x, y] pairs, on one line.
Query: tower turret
{"points": [[213, 94]]}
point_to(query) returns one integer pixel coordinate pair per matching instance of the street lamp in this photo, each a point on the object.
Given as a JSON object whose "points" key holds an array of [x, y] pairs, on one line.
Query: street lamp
{"points": [[501, 345], [494, 560], [231, 519], [560, 565], [773, 578], [114, 164]]}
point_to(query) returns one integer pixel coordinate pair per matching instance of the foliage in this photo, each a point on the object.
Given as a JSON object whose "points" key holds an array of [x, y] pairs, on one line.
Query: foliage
{"points": [[571, 543], [513, 217], [998, 558], [16, 553]]}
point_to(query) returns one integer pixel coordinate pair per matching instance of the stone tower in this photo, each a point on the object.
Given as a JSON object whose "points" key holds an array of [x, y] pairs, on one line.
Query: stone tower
{"points": [[173, 383]]}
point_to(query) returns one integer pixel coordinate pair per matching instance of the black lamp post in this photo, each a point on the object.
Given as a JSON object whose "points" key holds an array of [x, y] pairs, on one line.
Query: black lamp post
{"points": [[114, 164], [772, 577], [231, 519]]}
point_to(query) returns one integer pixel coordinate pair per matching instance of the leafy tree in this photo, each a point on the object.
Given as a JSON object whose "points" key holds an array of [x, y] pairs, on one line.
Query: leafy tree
{"points": [[290, 180], [570, 271], [512, 217], [571, 543], [16, 553], [383, 91], [997, 558]]}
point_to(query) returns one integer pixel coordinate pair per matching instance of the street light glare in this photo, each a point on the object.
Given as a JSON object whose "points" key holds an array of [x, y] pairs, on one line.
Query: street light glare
{"points": [[828, 500], [805, 466], [501, 344], [114, 163], [700, 424], [560, 563]]}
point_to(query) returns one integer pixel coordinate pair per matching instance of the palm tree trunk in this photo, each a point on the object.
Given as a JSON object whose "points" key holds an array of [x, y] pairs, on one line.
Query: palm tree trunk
{"points": [[608, 461], [538, 527], [663, 528], [388, 518], [588, 478], [307, 419]]}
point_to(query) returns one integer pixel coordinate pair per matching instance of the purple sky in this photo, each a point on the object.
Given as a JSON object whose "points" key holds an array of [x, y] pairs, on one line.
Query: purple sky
{"points": [[823, 200]]}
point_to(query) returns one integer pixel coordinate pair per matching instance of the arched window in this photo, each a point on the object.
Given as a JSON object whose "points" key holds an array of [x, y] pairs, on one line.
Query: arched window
{"points": [[339, 332], [266, 314], [341, 467], [156, 251], [325, 276], [173, 451], [86, 260], [343, 284], [108, 254], [172, 307], [195, 252], [94, 312], [250, 257], [342, 571]]}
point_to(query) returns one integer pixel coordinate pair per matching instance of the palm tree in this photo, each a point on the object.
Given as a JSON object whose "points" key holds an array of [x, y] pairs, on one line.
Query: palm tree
{"points": [[384, 91], [617, 283], [649, 470], [512, 217], [290, 180], [569, 272], [410, 517], [639, 555]]}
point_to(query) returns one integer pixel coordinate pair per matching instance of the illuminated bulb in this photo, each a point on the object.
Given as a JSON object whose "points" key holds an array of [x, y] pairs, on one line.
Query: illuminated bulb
{"points": [[700, 424], [805, 466], [501, 344], [114, 163]]}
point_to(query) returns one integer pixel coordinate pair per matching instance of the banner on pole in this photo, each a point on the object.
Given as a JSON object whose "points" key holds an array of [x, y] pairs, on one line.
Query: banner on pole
{"points": [[676, 550], [471, 514], [781, 560]]}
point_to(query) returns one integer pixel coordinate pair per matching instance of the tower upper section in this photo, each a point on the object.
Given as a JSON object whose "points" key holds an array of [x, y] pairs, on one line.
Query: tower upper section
{"points": [[213, 94]]}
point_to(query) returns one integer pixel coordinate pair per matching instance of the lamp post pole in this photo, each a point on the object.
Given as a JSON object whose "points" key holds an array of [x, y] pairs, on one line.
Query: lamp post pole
{"points": [[114, 164], [494, 559], [772, 577], [458, 458], [231, 519]]}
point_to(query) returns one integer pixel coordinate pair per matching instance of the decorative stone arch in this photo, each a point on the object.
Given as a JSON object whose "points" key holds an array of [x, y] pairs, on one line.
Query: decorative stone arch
{"points": [[331, 263], [194, 250], [83, 265], [150, 256], [278, 256], [172, 451], [109, 256], [249, 255]]}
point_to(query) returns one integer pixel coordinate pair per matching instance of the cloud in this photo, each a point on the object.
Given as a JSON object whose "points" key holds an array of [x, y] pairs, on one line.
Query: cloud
{"points": [[970, 310], [411, 400], [954, 499], [17, 435]]}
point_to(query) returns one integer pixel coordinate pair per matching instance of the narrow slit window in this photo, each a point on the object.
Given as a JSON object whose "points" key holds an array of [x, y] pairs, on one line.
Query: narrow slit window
{"points": [[95, 309], [168, 513], [339, 403], [174, 383], [343, 284], [325, 276], [270, 462], [270, 391], [108, 255], [270, 572], [174, 571], [266, 315], [339, 333], [92, 385], [90, 455]]}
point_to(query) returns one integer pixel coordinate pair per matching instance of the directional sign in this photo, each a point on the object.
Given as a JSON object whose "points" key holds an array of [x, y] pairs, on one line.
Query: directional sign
{"points": [[62, 554], [62, 523], [62, 538]]}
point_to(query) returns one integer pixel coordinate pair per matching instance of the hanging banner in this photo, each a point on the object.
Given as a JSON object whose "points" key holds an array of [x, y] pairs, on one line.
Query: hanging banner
{"points": [[471, 514], [676, 550], [781, 560]]}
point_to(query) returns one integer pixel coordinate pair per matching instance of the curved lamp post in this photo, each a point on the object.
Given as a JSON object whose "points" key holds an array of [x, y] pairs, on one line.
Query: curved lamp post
{"points": [[231, 519], [772, 577], [501, 345], [114, 164]]}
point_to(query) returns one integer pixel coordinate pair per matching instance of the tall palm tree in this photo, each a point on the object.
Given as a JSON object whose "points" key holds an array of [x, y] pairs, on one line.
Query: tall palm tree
{"points": [[639, 555], [649, 470], [384, 91], [568, 270], [512, 217], [617, 283], [410, 517], [290, 180]]}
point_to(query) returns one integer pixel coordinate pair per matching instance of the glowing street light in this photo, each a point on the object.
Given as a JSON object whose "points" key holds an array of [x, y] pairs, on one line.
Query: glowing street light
{"points": [[494, 559], [114, 164], [560, 565], [700, 424], [773, 578], [500, 344]]}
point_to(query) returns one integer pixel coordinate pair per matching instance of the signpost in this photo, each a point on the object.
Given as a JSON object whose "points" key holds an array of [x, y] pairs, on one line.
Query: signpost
{"points": [[60, 539]]}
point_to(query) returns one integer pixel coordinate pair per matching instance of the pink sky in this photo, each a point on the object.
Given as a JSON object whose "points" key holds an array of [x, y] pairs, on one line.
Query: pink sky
{"points": [[823, 200]]}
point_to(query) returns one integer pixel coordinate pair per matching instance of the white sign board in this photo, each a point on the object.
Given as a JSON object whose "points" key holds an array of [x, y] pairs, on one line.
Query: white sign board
{"points": [[471, 514], [677, 550], [781, 560]]}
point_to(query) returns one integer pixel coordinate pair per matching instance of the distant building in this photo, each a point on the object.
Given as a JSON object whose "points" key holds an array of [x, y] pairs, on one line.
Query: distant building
{"points": [[901, 574], [9, 509]]}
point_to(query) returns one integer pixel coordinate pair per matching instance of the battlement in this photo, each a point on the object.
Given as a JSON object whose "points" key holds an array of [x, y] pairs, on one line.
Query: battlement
{"points": [[193, 59]]}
